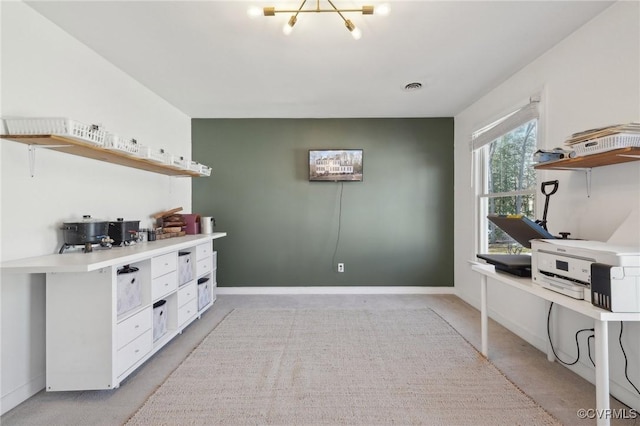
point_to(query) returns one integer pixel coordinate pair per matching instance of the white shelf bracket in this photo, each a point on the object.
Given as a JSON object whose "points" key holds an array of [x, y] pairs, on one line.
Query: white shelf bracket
{"points": [[32, 155], [587, 174], [32, 160]]}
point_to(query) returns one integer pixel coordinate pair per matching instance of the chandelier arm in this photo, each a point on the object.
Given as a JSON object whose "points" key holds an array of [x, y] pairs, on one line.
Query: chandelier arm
{"points": [[316, 10], [337, 10], [301, 6]]}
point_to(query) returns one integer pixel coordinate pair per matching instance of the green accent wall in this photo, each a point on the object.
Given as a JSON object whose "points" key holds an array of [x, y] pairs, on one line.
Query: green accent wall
{"points": [[396, 226]]}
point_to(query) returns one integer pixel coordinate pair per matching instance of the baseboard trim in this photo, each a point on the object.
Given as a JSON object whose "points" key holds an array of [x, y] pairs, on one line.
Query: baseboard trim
{"points": [[22, 393], [336, 290]]}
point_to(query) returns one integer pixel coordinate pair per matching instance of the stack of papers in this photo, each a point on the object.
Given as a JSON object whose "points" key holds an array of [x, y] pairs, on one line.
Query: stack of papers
{"points": [[631, 128]]}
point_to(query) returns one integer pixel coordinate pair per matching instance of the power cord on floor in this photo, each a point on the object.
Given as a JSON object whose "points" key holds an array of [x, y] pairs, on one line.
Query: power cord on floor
{"points": [[626, 362], [577, 343]]}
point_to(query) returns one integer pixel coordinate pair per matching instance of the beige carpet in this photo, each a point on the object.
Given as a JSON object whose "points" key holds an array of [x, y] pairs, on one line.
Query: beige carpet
{"points": [[337, 367]]}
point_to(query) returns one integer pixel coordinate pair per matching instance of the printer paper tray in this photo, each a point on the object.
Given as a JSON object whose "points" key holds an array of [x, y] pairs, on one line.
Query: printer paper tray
{"points": [[568, 289]]}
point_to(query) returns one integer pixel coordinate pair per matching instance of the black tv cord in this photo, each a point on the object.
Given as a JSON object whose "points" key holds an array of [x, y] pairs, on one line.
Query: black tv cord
{"points": [[335, 251], [577, 343], [626, 362]]}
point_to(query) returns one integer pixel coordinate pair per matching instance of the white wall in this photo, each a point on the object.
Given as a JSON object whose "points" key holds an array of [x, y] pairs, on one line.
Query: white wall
{"points": [[590, 79], [45, 72]]}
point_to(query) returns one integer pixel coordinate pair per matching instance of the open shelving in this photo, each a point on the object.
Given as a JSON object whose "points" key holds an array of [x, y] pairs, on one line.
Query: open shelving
{"points": [[82, 149], [616, 156]]}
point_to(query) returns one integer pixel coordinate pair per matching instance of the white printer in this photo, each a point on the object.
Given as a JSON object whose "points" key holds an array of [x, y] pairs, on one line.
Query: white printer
{"points": [[608, 275]]}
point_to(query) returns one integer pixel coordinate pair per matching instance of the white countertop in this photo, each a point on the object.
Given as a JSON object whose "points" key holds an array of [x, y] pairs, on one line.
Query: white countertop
{"points": [[102, 258]]}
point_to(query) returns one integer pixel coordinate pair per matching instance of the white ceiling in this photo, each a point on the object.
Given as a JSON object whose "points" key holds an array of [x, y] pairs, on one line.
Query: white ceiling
{"points": [[209, 59]]}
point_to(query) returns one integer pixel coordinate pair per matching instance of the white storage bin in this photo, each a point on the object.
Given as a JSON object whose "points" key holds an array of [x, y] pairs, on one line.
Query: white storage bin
{"points": [[159, 319], [200, 168], [129, 291], [56, 126], [118, 143], [153, 154], [185, 270], [179, 161], [204, 292], [606, 143]]}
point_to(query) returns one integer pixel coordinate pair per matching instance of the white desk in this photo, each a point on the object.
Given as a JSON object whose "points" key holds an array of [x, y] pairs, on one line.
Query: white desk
{"points": [[601, 319]]}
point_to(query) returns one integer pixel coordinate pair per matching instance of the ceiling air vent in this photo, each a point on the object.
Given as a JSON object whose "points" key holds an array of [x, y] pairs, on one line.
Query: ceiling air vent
{"points": [[413, 86]]}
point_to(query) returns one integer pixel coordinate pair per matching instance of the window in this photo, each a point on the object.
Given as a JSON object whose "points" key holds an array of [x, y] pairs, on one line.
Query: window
{"points": [[506, 180]]}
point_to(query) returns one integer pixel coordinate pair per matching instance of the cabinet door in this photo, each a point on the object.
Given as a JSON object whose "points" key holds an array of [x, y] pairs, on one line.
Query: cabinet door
{"points": [[134, 352], [161, 265], [133, 327], [203, 251], [162, 286]]}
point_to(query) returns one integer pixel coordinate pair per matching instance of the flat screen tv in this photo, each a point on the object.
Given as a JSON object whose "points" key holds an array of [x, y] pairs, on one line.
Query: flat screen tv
{"points": [[335, 165]]}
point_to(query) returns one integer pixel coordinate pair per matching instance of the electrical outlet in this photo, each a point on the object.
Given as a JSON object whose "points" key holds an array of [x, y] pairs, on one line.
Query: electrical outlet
{"points": [[340, 267]]}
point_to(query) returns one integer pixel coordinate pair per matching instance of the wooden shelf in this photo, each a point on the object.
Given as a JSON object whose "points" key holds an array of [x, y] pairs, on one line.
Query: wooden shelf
{"points": [[617, 156], [84, 149]]}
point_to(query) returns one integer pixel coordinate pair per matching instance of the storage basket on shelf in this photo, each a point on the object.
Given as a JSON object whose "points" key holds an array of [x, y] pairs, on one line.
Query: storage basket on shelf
{"points": [[159, 319], [153, 154], [91, 133], [606, 143], [200, 168], [179, 162], [118, 143], [129, 291], [204, 292], [185, 270]]}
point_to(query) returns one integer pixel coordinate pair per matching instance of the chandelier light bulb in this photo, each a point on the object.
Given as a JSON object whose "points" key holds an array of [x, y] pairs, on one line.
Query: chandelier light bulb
{"points": [[288, 27], [254, 11], [382, 10], [355, 31]]}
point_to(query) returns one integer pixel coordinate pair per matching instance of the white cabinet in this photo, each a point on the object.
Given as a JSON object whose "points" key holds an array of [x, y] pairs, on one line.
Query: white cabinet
{"points": [[89, 344]]}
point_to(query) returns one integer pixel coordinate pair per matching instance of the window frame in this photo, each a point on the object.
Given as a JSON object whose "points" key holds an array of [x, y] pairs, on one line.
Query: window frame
{"points": [[480, 142]]}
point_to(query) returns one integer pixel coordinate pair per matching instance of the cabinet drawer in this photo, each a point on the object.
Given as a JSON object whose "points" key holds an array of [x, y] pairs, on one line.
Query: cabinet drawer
{"points": [[133, 327], [187, 311], [164, 285], [187, 293], [203, 266], [161, 265], [203, 251], [134, 352]]}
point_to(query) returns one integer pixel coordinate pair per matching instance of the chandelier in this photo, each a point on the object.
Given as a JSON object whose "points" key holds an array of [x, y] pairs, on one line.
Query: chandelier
{"points": [[288, 27]]}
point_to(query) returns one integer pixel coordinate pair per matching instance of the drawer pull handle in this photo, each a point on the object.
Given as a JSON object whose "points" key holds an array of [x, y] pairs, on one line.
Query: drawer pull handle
{"points": [[166, 284], [137, 326], [136, 351]]}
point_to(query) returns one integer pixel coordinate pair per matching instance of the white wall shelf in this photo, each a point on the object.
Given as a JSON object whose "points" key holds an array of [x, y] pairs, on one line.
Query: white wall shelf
{"points": [[616, 156], [88, 150]]}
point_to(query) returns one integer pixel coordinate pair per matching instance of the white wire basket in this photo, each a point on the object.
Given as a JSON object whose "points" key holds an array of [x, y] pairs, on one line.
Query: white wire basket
{"points": [[180, 162], [606, 143], [118, 143], [91, 133], [200, 168], [154, 154]]}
